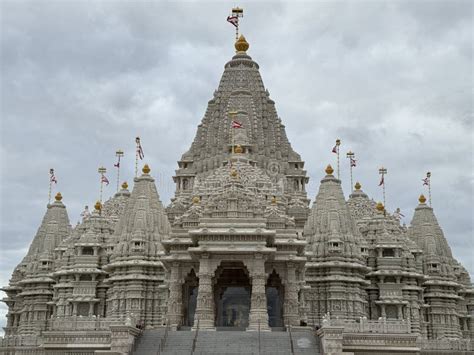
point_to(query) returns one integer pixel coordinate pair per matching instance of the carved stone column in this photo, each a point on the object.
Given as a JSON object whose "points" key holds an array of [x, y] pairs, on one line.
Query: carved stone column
{"points": [[258, 302], [291, 296], [205, 301], [175, 301]]}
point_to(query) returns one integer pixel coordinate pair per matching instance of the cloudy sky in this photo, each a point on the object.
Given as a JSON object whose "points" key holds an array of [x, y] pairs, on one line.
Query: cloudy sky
{"points": [[80, 79]]}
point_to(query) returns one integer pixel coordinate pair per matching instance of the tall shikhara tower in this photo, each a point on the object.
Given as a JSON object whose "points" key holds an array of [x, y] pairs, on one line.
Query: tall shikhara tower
{"points": [[239, 249], [242, 97]]}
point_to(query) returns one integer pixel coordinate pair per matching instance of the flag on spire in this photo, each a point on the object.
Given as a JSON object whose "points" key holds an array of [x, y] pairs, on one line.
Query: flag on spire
{"points": [[382, 181], [426, 181], [52, 177], [353, 162], [335, 149], [233, 20], [118, 163], [236, 124], [140, 153], [104, 179]]}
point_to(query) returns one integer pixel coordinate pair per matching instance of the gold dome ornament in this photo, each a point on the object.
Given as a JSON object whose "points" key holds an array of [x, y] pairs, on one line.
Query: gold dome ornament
{"points": [[146, 169], [357, 186], [422, 199], [58, 197], [98, 206], [329, 170], [274, 200], [196, 200], [380, 207], [241, 45], [124, 185], [238, 149], [234, 173]]}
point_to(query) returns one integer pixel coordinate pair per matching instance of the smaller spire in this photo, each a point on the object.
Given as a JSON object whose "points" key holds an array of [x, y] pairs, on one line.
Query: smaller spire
{"points": [[146, 169], [357, 186], [124, 185], [329, 170], [422, 199], [58, 197], [241, 45]]}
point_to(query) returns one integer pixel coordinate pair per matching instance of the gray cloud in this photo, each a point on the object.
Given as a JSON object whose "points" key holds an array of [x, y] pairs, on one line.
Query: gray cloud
{"points": [[80, 79]]}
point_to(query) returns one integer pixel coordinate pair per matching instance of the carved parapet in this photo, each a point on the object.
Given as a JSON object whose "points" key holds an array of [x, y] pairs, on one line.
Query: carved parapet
{"points": [[122, 338]]}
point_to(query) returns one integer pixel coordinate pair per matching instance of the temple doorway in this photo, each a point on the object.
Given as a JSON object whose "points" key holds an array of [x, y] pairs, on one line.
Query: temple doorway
{"points": [[275, 293], [190, 292], [232, 295]]}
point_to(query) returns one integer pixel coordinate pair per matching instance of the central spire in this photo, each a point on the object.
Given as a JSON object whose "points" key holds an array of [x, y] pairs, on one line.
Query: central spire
{"points": [[241, 117]]}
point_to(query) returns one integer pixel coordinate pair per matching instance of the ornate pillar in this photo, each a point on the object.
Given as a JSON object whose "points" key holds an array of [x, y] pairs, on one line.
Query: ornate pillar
{"points": [[204, 315], [291, 296], [258, 316], [175, 300]]}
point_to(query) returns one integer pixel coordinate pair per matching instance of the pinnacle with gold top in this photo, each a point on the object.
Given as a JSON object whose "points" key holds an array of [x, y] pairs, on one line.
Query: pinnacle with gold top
{"points": [[98, 206], [58, 197], [124, 185], [329, 170], [146, 169], [380, 207], [422, 199], [241, 45], [357, 186]]}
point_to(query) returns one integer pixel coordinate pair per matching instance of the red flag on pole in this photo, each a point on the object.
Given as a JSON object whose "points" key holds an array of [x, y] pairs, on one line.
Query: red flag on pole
{"points": [[234, 20], [141, 155], [381, 181], [104, 179], [52, 178], [236, 124]]}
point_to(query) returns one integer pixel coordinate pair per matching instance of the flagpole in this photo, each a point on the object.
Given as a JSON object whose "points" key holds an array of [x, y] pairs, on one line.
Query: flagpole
{"points": [[383, 172], [101, 171], [51, 171], [137, 141], [428, 175], [237, 12], [351, 156], [118, 154], [338, 143]]}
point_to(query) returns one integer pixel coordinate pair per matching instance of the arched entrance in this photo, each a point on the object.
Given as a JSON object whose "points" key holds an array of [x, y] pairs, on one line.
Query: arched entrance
{"points": [[190, 292], [275, 294], [232, 295]]}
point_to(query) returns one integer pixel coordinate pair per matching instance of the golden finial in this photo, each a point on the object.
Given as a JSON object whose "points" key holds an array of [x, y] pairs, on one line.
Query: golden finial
{"points": [[238, 149], [196, 200], [329, 170], [124, 185], [274, 200], [146, 169], [58, 197], [98, 206], [234, 173], [380, 207], [242, 45], [357, 185], [422, 198]]}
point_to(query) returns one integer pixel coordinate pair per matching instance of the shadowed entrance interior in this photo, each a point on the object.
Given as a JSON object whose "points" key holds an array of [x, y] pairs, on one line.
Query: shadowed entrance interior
{"points": [[232, 295], [275, 292]]}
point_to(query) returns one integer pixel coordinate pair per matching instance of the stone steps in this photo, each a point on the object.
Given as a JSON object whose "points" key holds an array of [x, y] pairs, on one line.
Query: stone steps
{"points": [[228, 342]]}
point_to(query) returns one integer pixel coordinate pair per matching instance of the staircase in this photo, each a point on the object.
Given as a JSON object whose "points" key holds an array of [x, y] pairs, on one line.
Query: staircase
{"points": [[229, 342]]}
